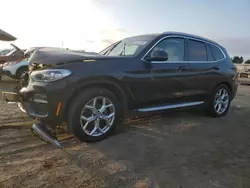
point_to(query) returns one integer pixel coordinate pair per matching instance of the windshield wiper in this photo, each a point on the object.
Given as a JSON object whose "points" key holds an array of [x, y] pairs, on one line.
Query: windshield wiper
{"points": [[123, 51]]}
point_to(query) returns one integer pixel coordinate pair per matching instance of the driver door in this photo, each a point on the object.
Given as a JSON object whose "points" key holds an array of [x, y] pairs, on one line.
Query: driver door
{"points": [[172, 77]]}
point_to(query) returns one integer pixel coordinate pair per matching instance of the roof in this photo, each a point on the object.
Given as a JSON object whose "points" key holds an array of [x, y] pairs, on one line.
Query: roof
{"points": [[189, 35]]}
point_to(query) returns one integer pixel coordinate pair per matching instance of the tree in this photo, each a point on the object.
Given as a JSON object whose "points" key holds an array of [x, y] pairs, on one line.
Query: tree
{"points": [[237, 59], [247, 62]]}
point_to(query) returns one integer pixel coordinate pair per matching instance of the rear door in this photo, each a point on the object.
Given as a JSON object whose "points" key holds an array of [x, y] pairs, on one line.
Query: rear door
{"points": [[203, 66]]}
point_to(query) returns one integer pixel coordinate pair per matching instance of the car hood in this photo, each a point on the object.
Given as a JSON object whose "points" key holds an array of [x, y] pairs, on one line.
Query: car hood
{"points": [[17, 48], [58, 56]]}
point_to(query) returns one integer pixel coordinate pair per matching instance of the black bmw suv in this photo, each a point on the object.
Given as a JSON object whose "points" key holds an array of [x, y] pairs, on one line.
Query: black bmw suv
{"points": [[91, 92]]}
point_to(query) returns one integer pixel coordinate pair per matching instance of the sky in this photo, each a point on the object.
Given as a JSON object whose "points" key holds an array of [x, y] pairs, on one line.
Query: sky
{"points": [[94, 24]]}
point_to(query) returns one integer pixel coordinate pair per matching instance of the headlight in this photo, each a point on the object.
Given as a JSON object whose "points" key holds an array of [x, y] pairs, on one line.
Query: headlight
{"points": [[49, 75]]}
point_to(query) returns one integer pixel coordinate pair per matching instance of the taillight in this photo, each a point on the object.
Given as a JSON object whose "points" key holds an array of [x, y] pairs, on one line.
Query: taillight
{"points": [[234, 68]]}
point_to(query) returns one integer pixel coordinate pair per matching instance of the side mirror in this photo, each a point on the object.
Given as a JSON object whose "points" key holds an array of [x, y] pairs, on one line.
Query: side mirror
{"points": [[157, 55]]}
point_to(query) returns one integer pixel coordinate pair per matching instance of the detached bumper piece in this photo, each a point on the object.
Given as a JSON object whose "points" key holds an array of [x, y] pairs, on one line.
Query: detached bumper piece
{"points": [[11, 97], [36, 109], [40, 130]]}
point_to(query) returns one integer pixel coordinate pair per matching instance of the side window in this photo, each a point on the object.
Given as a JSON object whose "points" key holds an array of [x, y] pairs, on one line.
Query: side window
{"points": [[196, 51], [210, 56], [174, 47], [217, 53]]}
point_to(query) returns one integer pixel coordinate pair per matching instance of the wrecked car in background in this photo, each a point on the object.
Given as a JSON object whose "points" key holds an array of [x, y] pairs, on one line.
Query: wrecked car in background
{"points": [[16, 66], [91, 92], [12, 56]]}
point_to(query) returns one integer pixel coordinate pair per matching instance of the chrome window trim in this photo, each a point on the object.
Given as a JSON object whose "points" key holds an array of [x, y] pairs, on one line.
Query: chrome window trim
{"points": [[170, 106], [184, 37]]}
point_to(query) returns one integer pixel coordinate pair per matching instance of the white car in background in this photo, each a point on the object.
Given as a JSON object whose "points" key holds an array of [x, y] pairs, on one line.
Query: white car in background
{"points": [[16, 69], [5, 51]]}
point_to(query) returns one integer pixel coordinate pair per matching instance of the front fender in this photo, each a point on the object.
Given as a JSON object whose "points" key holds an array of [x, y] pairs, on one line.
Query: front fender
{"points": [[110, 83]]}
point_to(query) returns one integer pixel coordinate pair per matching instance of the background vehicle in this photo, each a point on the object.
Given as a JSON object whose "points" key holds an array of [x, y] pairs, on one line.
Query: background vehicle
{"points": [[16, 66], [16, 69], [146, 73], [4, 36], [245, 73], [5, 51]]}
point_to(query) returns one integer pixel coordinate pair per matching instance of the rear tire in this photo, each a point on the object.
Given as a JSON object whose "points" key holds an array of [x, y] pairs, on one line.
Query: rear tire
{"points": [[220, 102], [84, 103]]}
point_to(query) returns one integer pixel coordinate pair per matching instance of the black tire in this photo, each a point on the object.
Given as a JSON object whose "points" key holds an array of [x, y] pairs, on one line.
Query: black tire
{"points": [[211, 108], [24, 80], [20, 71], [77, 105]]}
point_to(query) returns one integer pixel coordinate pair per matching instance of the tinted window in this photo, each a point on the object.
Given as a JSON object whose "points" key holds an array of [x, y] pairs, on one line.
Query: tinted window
{"points": [[217, 53], [210, 56], [196, 51], [174, 47]]}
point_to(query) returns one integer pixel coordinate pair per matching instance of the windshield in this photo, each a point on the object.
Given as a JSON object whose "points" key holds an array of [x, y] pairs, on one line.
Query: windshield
{"points": [[5, 52], [11, 52], [129, 46]]}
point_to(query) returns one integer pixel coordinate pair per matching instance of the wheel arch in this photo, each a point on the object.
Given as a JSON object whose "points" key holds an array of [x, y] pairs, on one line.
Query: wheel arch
{"points": [[227, 84], [108, 83], [20, 68]]}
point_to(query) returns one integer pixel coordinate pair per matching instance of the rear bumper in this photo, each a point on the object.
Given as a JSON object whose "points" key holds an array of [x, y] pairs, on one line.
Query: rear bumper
{"points": [[234, 87]]}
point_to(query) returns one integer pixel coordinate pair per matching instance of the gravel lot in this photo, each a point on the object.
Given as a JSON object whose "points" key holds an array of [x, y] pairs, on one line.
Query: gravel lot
{"points": [[177, 150]]}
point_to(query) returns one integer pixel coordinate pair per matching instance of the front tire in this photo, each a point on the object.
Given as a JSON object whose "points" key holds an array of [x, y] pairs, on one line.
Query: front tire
{"points": [[220, 101], [24, 80], [21, 71], [94, 114]]}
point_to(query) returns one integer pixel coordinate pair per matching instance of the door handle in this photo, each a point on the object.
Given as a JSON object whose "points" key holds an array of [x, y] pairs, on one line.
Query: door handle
{"points": [[182, 68], [215, 67]]}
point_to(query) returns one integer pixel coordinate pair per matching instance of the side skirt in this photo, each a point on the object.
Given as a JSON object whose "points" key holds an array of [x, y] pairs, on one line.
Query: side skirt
{"points": [[169, 106]]}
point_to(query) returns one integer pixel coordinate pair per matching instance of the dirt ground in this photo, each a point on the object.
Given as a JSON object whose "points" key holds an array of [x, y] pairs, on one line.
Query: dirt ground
{"points": [[177, 150]]}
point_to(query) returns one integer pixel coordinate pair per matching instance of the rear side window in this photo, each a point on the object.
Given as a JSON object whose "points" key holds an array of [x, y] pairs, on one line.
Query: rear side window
{"points": [[216, 53], [210, 56], [196, 51]]}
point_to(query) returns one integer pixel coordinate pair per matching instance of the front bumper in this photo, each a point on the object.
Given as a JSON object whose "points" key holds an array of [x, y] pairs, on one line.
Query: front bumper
{"points": [[45, 103], [39, 128]]}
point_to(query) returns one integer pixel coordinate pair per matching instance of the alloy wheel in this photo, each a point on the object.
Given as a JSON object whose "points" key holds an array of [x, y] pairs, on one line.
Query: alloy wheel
{"points": [[97, 116], [221, 101]]}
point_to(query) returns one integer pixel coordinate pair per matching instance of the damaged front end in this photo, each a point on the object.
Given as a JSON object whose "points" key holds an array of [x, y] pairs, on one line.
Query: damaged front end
{"points": [[43, 91], [34, 103], [40, 127]]}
